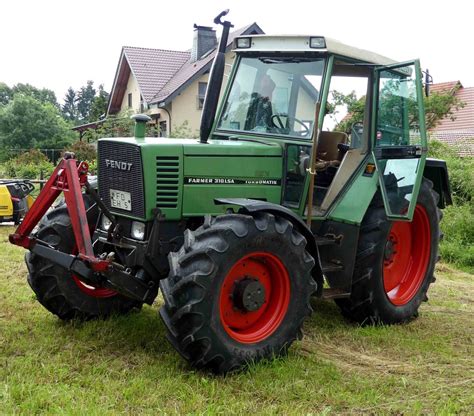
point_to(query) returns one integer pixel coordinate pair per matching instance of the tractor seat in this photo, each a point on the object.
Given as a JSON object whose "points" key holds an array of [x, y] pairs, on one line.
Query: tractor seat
{"points": [[328, 148]]}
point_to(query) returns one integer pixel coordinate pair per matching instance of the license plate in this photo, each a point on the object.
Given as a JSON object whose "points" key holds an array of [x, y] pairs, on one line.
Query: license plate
{"points": [[120, 200]]}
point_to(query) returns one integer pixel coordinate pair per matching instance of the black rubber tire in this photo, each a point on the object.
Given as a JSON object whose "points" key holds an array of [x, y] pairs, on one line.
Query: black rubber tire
{"points": [[369, 303], [55, 287], [192, 289]]}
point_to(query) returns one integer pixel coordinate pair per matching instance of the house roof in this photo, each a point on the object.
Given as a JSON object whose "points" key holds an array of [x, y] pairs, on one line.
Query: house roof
{"points": [[464, 117], [161, 73], [445, 86], [153, 68], [190, 70], [458, 133]]}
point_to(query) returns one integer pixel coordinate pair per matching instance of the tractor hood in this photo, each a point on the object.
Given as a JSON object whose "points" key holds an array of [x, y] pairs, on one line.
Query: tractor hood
{"points": [[182, 177], [213, 147]]}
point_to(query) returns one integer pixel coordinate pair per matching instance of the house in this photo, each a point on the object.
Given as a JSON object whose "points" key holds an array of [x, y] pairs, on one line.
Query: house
{"points": [[458, 133], [169, 85]]}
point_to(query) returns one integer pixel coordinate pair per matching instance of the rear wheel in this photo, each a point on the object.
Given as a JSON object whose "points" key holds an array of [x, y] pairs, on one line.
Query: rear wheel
{"points": [[61, 292], [395, 262], [238, 291]]}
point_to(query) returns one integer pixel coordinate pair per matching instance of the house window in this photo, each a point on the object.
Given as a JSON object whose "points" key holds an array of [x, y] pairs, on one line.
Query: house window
{"points": [[163, 129], [202, 87], [130, 101]]}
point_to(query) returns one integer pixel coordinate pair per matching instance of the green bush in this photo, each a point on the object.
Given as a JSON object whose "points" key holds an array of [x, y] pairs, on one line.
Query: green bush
{"points": [[29, 165], [457, 246], [460, 169], [82, 150]]}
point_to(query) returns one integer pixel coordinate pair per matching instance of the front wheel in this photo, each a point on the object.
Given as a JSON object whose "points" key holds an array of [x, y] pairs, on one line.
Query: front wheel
{"points": [[62, 292], [395, 262], [238, 291]]}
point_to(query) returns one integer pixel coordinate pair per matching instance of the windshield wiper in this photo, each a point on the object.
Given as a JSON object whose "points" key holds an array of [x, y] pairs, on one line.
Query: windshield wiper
{"points": [[285, 60]]}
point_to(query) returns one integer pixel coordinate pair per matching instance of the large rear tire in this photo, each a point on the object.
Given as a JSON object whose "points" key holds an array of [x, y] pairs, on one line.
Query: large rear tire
{"points": [[61, 292], [238, 291], [395, 262]]}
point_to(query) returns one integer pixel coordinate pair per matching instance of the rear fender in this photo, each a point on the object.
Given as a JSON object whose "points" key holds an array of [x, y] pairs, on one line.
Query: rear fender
{"points": [[437, 172]]}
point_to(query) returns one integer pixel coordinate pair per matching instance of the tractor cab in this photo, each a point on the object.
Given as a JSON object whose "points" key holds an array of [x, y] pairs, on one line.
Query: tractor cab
{"points": [[272, 95]]}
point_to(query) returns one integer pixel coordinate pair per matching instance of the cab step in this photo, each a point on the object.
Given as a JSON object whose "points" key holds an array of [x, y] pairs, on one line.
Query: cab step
{"points": [[331, 267]]}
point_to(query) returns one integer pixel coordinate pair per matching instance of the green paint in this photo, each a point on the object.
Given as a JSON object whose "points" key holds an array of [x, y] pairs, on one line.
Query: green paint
{"points": [[140, 128], [231, 166], [404, 135], [352, 204], [199, 199]]}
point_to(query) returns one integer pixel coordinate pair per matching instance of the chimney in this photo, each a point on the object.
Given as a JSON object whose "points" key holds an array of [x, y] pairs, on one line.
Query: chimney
{"points": [[204, 40]]}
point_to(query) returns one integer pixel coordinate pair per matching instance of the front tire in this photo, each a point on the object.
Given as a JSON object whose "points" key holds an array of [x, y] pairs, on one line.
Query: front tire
{"points": [[238, 291], [395, 262]]}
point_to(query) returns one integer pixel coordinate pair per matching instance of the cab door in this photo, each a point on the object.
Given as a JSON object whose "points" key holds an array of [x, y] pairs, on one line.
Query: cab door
{"points": [[398, 136]]}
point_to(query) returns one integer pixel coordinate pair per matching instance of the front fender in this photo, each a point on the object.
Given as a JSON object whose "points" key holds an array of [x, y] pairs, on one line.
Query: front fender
{"points": [[252, 206]]}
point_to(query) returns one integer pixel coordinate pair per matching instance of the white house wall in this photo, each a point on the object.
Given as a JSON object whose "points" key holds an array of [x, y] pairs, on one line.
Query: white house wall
{"points": [[132, 87], [185, 105]]}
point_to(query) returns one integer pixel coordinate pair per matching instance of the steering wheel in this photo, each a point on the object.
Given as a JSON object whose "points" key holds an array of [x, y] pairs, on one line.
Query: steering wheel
{"points": [[277, 122]]}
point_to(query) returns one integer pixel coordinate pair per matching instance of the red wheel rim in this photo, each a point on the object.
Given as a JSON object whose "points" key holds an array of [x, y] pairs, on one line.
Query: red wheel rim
{"points": [[255, 326], [407, 255], [94, 291]]}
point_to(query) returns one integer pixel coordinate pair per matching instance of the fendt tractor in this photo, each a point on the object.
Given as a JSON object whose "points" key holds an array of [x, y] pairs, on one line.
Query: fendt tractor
{"points": [[268, 208]]}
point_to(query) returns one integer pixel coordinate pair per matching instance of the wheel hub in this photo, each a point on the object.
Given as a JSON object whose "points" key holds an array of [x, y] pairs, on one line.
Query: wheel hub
{"points": [[254, 297], [248, 294]]}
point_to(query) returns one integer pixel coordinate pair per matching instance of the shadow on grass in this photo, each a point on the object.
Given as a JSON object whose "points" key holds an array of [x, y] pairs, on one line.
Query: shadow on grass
{"points": [[142, 332]]}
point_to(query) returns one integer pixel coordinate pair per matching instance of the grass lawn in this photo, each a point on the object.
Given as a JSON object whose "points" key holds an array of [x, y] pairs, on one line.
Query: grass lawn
{"points": [[125, 364]]}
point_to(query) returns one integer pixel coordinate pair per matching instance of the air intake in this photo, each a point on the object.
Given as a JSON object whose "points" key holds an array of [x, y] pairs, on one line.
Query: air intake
{"points": [[167, 181]]}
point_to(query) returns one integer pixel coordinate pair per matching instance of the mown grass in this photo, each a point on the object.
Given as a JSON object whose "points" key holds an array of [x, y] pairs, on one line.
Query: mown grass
{"points": [[125, 365]]}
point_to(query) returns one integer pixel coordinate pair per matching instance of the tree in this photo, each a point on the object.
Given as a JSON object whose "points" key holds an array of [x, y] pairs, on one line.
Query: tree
{"points": [[5, 93], [26, 122], [69, 108], [85, 97], [43, 95], [99, 104], [355, 109], [440, 105], [437, 106]]}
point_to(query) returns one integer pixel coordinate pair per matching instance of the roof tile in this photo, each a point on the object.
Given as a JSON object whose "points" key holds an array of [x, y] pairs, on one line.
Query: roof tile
{"points": [[153, 68]]}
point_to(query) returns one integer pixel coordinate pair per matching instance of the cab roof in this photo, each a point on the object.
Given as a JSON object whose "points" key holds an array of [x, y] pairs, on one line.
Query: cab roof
{"points": [[301, 43]]}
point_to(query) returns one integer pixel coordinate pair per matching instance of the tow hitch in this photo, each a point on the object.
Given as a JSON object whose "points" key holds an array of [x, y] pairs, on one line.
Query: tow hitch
{"points": [[69, 177]]}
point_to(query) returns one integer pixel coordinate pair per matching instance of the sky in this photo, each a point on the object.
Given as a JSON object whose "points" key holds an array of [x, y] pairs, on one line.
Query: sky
{"points": [[57, 44]]}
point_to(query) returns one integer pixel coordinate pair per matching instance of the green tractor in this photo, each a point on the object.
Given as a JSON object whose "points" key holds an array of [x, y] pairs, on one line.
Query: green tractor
{"points": [[241, 228]]}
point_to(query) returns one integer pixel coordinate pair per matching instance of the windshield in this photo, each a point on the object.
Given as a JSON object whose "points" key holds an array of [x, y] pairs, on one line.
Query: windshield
{"points": [[274, 95]]}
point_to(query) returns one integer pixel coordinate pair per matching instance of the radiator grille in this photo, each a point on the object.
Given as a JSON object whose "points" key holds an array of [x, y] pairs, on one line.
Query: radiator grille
{"points": [[110, 177], [167, 181]]}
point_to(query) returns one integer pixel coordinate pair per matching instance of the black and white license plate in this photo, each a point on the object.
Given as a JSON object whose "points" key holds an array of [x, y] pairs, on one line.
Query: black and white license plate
{"points": [[120, 200]]}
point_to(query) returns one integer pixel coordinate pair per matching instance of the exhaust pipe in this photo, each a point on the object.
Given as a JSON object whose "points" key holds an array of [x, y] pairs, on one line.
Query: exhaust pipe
{"points": [[215, 80]]}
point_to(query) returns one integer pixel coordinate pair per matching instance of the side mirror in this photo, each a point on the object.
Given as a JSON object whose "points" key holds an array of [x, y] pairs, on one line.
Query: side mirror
{"points": [[428, 82]]}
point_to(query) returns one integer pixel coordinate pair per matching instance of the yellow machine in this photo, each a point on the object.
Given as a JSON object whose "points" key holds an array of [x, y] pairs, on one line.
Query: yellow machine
{"points": [[15, 200]]}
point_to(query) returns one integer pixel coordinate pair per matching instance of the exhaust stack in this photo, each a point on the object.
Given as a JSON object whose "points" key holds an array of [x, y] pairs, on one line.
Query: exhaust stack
{"points": [[215, 80]]}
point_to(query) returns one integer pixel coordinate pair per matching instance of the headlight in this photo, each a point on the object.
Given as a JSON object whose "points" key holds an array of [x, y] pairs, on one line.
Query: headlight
{"points": [[105, 223], [317, 42], [138, 230], [243, 43]]}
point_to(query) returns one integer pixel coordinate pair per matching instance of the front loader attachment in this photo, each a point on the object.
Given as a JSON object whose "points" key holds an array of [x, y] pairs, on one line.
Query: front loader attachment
{"points": [[69, 177]]}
